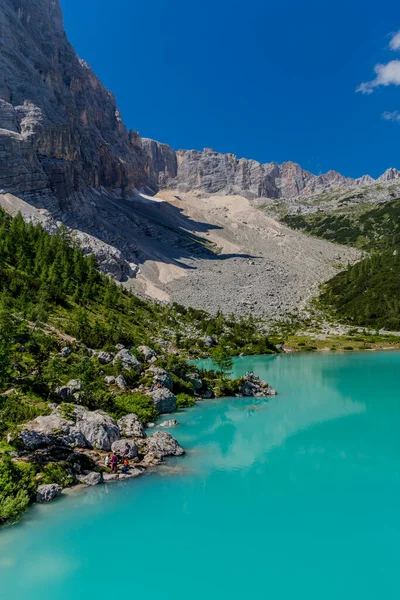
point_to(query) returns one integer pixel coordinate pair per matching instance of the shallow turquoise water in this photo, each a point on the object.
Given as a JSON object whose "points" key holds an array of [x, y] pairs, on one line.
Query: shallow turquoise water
{"points": [[297, 497]]}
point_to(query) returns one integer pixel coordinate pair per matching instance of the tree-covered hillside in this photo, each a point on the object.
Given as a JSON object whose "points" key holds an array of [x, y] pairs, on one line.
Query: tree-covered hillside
{"points": [[375, 229], [57, 314], [367, 293]]}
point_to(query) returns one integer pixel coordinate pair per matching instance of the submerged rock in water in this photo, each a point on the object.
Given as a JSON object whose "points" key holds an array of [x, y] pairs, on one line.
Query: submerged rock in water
{"points": [[47, 492], [170, 423]]}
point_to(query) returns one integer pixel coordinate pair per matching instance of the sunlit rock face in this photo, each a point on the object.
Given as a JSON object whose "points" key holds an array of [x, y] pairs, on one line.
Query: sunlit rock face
{"points": [[60, 128]]}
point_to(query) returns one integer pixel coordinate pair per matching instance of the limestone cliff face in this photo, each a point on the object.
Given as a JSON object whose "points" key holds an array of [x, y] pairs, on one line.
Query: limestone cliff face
{"points": [[60, 129], [215, 173]]}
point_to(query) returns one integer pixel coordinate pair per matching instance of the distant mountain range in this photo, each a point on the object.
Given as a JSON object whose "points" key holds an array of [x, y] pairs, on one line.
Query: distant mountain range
{"points": [[213, 172], [61, 131]]}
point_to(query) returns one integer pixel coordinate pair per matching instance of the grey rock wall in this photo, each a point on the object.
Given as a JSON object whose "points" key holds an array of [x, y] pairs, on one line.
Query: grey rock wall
{"points": [[60, 129]]}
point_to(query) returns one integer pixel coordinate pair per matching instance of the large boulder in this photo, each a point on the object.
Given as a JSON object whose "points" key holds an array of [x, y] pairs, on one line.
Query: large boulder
{"points": [[164, 400], [92, 478], [109, 379], [131, 427], [163, 444], [52, 430], [128, 360], [148, 353], [70, 426], [47, 492], [100, 430], [125, 448], [162, 376]]}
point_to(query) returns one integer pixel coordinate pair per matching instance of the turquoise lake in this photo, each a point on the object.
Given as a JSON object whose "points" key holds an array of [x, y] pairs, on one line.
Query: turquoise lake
{"points": [[296, 497]]}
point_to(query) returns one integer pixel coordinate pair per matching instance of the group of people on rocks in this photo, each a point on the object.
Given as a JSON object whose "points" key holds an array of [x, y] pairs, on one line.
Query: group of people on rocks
{"points": [[113, 460]]}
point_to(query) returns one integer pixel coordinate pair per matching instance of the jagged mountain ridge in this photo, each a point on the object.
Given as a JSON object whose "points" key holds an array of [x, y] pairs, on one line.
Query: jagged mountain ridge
{"points": [[212, 172]]}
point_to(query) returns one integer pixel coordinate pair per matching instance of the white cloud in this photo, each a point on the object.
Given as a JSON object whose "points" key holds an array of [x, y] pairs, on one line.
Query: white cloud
{"points": [[388, 74], [395, 41], [392, 116]]}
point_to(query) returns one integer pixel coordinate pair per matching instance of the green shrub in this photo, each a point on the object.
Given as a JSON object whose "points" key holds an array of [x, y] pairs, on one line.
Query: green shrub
{"points": [[184, 400], [181, 386], [140, 404], [15, 410], [17, 488], [348, 348], [60, 473]]}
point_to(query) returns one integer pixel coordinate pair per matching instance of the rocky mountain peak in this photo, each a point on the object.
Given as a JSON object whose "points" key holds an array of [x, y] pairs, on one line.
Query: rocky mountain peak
{"points": [[60, 128], [389, 175]]}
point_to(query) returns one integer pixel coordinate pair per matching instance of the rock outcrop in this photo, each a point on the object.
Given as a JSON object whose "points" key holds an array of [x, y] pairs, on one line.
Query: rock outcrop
{"points": [[60, 129], [125, 448], [162, 444], [162, 377], [252, 385], [72, 427], [128, 360], [91, 478], [164, 400], [47, 492], [131, 427], [148, 353]]}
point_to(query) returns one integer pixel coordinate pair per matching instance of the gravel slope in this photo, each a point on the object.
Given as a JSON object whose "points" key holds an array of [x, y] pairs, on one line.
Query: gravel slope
{"points": [[261, 266]]}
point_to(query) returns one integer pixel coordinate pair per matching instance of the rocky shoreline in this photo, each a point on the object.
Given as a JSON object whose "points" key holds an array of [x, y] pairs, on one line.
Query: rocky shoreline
{"points": [[78, 440]]}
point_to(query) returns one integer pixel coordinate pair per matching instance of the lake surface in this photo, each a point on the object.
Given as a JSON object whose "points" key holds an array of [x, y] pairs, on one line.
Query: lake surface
{"points": [[295, 497]]}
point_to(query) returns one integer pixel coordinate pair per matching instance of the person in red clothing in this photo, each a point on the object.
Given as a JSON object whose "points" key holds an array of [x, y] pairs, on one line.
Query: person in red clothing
{"points": [[114, 462]]}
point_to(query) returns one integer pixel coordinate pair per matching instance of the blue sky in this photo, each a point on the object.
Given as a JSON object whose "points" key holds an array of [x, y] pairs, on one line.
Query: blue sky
{"points": [[261, 79]]}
